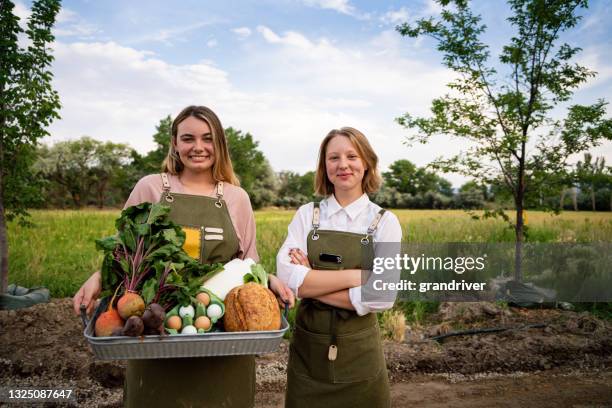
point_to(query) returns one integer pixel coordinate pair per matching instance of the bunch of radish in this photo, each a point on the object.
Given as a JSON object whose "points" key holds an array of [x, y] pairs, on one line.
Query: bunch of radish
{"points": [[196, 317]]}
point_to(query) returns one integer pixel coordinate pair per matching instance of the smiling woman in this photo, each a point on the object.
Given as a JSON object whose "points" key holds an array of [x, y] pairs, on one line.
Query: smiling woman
{"points": [[198, 157], [194, 144], [336, 357], [198, 184]]}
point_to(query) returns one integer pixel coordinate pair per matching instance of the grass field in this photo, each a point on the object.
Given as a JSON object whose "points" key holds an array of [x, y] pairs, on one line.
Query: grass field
{"points": [[59, 253]]}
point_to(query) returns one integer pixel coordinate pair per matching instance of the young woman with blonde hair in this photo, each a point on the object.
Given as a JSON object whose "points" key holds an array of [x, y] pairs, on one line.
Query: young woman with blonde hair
{"points": [[199, 185], [336, 358]]}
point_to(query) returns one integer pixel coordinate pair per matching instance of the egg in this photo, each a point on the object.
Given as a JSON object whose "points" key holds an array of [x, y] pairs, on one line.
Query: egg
{"points": [[186, 311], [214, 311], [202, 322], [203, 298], [174, 322], [189, 330]]}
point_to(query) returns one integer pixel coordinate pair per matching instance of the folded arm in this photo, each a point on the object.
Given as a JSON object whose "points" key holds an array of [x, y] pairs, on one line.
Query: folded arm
{"points": [[339, 299]]}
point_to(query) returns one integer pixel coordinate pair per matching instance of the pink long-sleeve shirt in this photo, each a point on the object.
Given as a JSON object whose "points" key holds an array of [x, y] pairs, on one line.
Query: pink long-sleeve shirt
{"points": [[149, 189]]}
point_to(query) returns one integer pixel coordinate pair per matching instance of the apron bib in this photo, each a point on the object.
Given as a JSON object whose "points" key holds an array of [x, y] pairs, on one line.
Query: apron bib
{"points": [[336, 357], [200, 381]]}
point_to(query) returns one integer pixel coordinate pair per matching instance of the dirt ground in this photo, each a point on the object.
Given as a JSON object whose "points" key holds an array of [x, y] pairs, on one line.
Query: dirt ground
{"points": [[565, 362]]}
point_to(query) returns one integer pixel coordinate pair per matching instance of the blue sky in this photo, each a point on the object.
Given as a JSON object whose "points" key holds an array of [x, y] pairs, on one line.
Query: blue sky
{"points": [[287, 71]]}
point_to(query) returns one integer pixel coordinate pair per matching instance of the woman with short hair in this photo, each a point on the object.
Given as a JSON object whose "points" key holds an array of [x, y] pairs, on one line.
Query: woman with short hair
{"points": [[336, 357]]}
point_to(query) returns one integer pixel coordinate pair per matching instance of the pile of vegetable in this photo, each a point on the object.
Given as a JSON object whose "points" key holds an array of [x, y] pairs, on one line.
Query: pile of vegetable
{"points": [[158, 289], [145, 263]]}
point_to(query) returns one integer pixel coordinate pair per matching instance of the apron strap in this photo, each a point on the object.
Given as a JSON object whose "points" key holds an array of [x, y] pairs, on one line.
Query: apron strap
{"points": [[166, 188], [219, 203], [316, 218], [373, 226], [316, 215], [165, 182], [332, 351], [220, 190]]}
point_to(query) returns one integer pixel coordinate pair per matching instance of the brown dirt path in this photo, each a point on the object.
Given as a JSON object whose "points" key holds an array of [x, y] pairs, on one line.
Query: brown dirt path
{"points": [[540, 390], [567, 363]]}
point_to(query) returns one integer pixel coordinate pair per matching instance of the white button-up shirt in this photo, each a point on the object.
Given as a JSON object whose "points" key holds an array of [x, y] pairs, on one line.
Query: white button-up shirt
{"points": [[355, 217]]}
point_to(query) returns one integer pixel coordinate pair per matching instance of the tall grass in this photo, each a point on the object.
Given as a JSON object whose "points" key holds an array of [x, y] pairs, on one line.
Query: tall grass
{"points": [[59, 252]]}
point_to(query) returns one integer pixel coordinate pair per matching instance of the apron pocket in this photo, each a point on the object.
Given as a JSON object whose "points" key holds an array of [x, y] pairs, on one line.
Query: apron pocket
{"points": [[213, 248], [308, 355], [360, 356]]}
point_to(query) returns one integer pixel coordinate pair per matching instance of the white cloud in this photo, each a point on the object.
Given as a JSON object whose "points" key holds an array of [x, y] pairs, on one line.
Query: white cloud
{"points": [[168, 36], [66, 15], [291, 38], [308, 86], [242, 32], [432, 7], [395, 16], [595, 57], [69, 23], [212, 43], [341, 6], [378, 69], [112, 92], [81, 30]]}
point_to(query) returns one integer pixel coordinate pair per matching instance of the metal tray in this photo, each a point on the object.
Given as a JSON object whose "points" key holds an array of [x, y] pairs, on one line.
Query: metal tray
{"points": [[183, 345]]}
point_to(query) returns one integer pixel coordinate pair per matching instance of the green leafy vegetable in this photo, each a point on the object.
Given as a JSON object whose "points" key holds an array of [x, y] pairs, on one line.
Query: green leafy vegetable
{"points": [[258, 275], [145, 237]]}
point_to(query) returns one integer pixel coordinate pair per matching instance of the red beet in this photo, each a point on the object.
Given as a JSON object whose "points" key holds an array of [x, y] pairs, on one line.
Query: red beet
{"points": [[154, 316], [133, 326]]}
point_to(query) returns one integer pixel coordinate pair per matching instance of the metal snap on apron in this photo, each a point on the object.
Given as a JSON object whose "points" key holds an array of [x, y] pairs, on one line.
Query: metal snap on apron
{"points": [[203, 381], [336, 357]]}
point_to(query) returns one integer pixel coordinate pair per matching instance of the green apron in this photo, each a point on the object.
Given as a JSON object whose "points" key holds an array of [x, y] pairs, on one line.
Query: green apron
{"points": [[202, 381], [336, 357]]}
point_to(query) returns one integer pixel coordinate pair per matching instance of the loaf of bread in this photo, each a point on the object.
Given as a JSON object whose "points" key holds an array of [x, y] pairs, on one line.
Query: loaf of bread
{"points": [[251, 307]]}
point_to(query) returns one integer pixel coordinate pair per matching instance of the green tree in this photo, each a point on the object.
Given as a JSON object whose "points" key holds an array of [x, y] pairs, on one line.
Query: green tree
{"points": [[502, 114], [110, 161], [407, 178], [152, 161], [295, 189], [251, 167], [28, 104], [471, 195], [591, 176], [84, 168], [401, 176]]}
